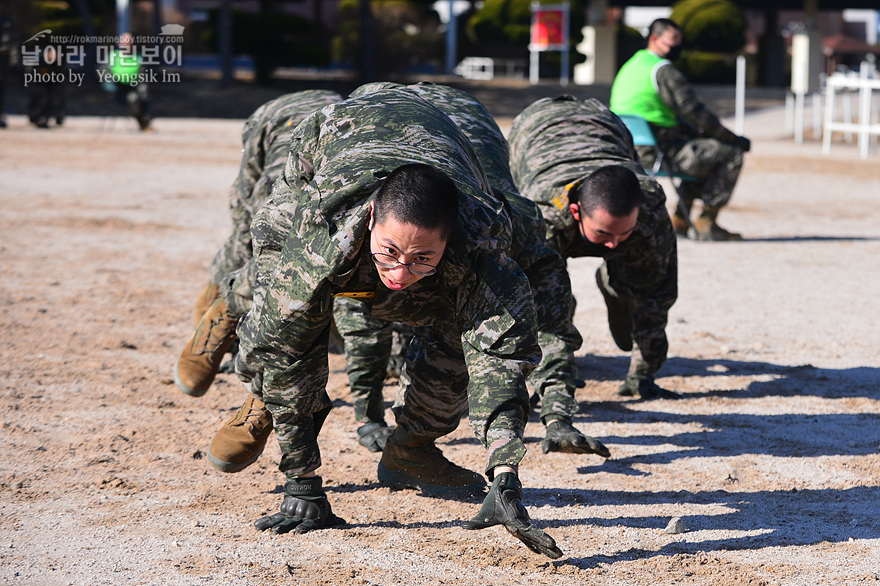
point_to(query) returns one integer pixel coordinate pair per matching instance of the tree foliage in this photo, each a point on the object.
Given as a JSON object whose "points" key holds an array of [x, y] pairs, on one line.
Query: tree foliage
{"points": [[405, 34], [508, 23], [712, 26], [712, 31]]}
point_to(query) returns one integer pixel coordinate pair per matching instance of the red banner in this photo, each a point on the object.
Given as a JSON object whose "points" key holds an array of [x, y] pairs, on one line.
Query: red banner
{"points": [[547, 28]]}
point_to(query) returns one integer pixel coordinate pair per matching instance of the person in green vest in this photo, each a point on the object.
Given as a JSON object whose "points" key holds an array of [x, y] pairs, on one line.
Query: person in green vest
{"points": [[128, 82], [693, 139]]}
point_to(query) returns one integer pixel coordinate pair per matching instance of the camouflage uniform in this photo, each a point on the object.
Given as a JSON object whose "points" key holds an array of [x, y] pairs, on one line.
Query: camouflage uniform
{"points": [[474, 319], [554, 378], [264, 152], [699, 145], [371, 345], [373, 349], [557, 142]]}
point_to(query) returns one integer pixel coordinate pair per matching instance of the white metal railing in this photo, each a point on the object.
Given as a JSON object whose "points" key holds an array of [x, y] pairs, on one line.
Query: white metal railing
{"points": [[476, 68], [486, 68], [866, 126]]}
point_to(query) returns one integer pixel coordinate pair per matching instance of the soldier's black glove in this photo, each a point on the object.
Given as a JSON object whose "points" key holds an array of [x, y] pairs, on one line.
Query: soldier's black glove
{"points": [[562, 436], [374, 435], [305, 508], [744, 143], [503, 506], [643, 387]]}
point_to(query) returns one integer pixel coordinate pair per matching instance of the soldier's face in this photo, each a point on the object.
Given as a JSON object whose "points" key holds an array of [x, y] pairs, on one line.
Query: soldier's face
{"points": [[667, 44], [604, 229], [406, 243]]}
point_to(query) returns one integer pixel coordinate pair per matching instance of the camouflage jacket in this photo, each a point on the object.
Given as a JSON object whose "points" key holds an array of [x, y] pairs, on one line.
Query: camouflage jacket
{"points": [[695, 120], [311, 242], [264, 152], [481, 129], [557, 142], [265, 146]]}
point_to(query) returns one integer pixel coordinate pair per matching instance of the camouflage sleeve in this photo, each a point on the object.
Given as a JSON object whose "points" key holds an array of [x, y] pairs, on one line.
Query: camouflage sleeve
{"points": [[292, 293], [500, 348], [678, 94], [283, 336], [291, 307], [555, 377], [649, 272]]}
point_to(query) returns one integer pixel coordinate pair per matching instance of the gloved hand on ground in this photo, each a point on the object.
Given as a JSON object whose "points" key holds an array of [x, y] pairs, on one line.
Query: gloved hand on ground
{"points": [[562, 436], [503, 506], [305, 508], [374, 435]]}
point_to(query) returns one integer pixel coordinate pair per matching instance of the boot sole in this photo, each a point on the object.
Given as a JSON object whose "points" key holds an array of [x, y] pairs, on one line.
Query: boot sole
{"points": [[232, 467], [401, 480], [183, 387]]}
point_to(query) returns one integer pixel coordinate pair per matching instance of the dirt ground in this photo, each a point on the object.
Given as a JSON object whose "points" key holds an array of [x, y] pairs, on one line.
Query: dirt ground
{"points": [[770, 458]]}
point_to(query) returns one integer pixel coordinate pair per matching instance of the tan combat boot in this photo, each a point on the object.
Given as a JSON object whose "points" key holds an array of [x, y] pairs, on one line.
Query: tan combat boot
{"points": [[708, 229], [410, 461], [681, 217], [206, 299], [680, 225], [201, 358], [241, 440]]}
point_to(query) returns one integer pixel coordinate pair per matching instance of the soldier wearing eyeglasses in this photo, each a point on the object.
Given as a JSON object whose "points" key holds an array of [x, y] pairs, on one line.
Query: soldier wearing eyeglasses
{"points": [[368, 340], [389, 174]]}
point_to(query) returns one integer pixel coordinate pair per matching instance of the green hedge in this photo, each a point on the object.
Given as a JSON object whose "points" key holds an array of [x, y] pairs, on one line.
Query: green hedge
{"points": [[405, 35], [703, 67], [509, 22], [714, 26]]}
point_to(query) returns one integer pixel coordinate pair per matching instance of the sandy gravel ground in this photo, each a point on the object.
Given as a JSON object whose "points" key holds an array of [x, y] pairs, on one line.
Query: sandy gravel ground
{"points": [[770, 458]]}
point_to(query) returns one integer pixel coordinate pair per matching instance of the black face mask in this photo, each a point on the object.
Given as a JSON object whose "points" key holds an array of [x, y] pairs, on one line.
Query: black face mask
{"points": [[674, 53], [587, 248]]}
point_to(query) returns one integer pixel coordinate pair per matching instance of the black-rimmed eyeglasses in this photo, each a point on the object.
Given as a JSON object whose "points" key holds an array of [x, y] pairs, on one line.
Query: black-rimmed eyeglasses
{"points": [[386, 261]]}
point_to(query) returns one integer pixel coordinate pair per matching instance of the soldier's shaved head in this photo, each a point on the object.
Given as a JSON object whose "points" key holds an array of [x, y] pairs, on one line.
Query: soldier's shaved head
{"points": [[421, 195], [661, 25], [614, 189]]}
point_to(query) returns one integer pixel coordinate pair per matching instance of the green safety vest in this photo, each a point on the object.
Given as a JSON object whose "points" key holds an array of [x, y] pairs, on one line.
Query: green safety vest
{"points": [[124, 67], [634, 92]]}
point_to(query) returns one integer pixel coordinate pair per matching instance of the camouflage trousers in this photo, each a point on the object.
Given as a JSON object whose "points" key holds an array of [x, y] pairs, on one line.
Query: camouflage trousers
{"points": [[232, 256], [715, 165], [374, 349], [621, 306], [238, 247], [432, 398], [434, 395], [373, 346], [237, 288], [554, 378]]}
